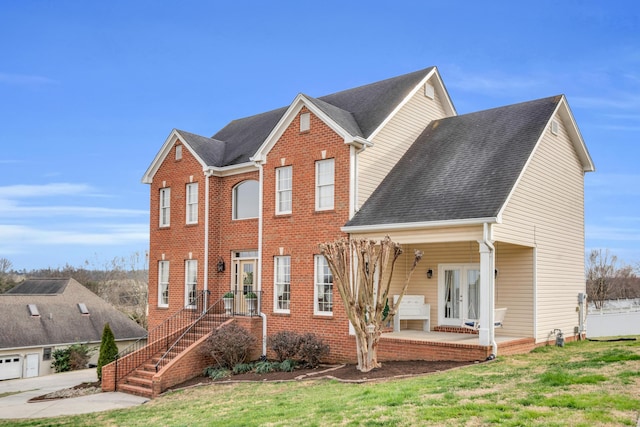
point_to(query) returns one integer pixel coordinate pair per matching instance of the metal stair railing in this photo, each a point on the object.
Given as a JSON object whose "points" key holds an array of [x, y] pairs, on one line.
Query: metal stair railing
{"points": [[159, 338], [215, 314]]}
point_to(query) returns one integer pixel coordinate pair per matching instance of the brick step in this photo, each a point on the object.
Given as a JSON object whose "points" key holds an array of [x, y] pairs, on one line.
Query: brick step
{"points": [[138, 381], [136, 390], [141, 373]]}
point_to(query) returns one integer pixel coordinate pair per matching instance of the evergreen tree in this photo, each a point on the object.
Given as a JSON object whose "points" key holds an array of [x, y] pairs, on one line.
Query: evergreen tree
{"points": [[108, 349]]}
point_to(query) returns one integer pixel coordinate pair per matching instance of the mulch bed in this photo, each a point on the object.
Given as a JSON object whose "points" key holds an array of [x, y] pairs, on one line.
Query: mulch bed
{"points": [[344, 373]]}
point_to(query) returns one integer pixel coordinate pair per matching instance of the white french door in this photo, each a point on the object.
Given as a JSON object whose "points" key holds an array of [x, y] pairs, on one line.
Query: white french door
{"points": [[458, 293]]}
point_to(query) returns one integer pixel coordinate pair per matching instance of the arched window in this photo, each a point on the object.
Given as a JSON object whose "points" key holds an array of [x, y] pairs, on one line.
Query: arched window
{"points": [[245, 200]]}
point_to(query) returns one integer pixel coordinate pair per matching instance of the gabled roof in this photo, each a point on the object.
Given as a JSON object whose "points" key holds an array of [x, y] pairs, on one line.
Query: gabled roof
{"points": [[358, 112], [60, 319], [461, 168]]}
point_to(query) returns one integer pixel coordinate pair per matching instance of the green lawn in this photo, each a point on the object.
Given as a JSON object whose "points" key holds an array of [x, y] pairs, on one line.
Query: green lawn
{"points": [[582, 384]]}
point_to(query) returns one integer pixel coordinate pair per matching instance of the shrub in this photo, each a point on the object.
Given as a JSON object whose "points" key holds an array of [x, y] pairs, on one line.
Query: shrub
{"points": [[287, 365], [71, 358], [108, 349], [216, 373], [242, 368], [285, 344], [229, 345], [264, 367], [312, 349]]}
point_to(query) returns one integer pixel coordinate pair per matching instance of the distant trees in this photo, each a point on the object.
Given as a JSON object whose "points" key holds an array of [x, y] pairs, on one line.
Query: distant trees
{"points": [[6, 282], [607, 279]]}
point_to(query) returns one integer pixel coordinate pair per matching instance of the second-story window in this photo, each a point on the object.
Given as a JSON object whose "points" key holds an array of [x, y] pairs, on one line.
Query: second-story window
{"points": [[324, 184], [165, 207], [283, 190], [192, 203], [245, 200]]}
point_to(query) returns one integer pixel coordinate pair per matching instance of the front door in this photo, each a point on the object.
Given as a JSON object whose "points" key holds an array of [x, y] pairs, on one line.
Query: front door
{"points": [[245, 266], [458, 293]]}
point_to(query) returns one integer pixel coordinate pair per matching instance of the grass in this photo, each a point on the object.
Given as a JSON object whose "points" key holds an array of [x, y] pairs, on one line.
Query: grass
{"points": [[582, 384]]}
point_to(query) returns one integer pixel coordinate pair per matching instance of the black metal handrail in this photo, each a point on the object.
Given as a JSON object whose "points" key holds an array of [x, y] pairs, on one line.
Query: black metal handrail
{"points": [[160, 337], [209, 320]]}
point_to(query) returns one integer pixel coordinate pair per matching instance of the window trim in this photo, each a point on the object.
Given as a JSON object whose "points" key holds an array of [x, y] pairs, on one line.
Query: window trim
{"points": [[165, 197], [191, 208], [234, 196], [277, 283], [281, 192], [316, 284], [319, 186], [161, 283]]}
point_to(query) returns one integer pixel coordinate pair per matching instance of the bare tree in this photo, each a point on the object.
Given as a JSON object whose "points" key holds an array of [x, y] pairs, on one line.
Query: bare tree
{"points": [[362, 275], [608, 280]]}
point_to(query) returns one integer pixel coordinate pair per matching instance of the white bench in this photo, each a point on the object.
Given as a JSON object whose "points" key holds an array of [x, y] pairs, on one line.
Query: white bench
{"points": [[412, 307]]}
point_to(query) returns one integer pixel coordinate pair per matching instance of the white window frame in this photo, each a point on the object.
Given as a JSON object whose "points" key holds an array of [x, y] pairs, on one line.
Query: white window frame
{"points": [[284, 189], [281, 283], [165, 207], [163, 283], [319, 281], [192, 203], [234, 201], [323, 184], [190, 282]]}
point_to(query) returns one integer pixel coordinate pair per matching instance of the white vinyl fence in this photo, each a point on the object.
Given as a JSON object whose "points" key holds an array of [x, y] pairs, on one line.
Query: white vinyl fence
{"points": [[616, 318]]}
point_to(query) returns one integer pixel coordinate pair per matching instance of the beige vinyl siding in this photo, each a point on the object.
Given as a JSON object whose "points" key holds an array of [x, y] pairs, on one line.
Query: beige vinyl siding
{"points": [[546, 211], [394, 139], [514, 288], [428, 235]]}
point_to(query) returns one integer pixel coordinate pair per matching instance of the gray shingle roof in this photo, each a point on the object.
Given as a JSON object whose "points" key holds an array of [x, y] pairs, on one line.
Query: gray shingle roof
{"points": [[461, 167], [60, 320], [359, 110]]}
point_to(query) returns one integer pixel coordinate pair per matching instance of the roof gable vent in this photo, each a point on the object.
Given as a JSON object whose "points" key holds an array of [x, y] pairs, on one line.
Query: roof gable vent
{"points": [[83, 308], [33, 309], [429, 91]]}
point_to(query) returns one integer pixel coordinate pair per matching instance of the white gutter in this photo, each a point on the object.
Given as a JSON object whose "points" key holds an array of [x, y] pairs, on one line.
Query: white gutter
{"points": [[418, 225], [207, 177], [260, 220], [492, 283]]}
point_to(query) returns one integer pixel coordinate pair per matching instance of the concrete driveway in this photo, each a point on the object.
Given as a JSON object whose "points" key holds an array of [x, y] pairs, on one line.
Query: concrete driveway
{"points": [[17, 405]]}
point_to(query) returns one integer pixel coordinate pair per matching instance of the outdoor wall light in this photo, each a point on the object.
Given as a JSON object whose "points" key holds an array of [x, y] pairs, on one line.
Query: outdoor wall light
{"points": [[495, 272], [429, 273], [220, 265]]}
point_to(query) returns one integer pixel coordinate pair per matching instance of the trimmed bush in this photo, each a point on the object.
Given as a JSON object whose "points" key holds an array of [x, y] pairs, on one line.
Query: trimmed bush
{"points": [[229, 345], [312, 349], [285, 344], [108, 349]]}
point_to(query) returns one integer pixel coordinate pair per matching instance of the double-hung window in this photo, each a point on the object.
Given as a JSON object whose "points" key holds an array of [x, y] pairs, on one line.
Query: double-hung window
{"points": [[165, 206], [163, 283], [324, 184], [283, 190], [192, 203], [190, 274], [282, 283], [323, 292]]}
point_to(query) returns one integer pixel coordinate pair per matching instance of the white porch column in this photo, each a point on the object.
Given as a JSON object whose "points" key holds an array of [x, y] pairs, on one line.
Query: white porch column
{"points": [[487, 292]]}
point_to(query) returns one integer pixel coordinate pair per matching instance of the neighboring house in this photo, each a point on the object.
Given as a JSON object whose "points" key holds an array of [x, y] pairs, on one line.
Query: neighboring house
{"points": [[41, 315], [494, 199]]}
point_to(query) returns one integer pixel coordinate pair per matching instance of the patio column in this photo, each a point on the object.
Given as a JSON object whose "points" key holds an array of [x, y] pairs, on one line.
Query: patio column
{"points": [[487, 263]]}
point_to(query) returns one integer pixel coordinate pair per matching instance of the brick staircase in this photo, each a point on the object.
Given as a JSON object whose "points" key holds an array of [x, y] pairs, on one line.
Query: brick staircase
{"points": [[140, 369]]}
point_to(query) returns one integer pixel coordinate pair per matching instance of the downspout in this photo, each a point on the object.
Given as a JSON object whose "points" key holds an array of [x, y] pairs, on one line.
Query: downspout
{"points": [[260, 217], [207, 174], [492, 283]]}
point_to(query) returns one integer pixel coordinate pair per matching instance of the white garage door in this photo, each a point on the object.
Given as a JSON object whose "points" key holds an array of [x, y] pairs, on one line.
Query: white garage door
{"points": [[10, 367]]}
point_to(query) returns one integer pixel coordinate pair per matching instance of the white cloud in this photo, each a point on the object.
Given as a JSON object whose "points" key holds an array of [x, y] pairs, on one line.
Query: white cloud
{"points": [[602, 184], [14, 236], [611, 233], [44, 190], [480, 83], [9, 209], [25, 80]]}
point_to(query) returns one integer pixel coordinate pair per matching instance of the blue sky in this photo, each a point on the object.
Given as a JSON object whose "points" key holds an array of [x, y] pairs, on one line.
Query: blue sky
{"points": [[91, 90]]}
